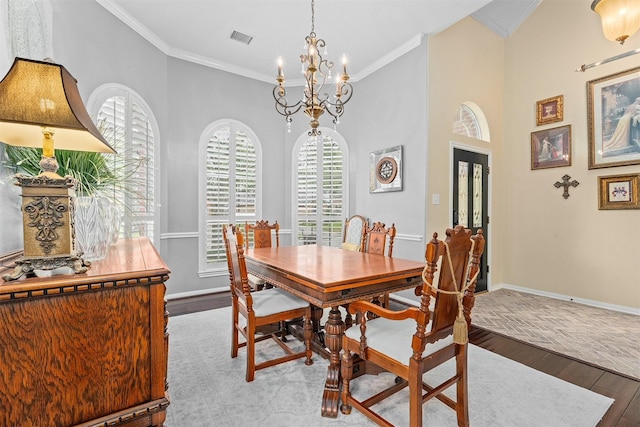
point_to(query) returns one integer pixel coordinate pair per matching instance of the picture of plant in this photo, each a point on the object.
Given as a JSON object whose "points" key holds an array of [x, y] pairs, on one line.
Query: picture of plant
{"points": [[618, 192]]}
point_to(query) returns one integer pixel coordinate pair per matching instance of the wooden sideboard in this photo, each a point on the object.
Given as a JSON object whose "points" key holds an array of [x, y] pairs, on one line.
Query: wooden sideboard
{"points": [[87, 349]]}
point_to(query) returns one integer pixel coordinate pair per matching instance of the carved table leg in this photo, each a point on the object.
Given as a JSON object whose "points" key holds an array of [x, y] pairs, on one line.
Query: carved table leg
{"points": [[334, 329], [316, 315]]}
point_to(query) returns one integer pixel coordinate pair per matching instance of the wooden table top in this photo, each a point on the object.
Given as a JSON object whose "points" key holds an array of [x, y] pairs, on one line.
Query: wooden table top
{"points": [[325, 270]]}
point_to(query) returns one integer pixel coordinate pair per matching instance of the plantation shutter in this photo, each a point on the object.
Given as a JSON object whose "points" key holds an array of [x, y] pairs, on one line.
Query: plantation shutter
{"points": [[245, 173], [126, 126], [231, 190], [332, 194], [320, 193], [143, 182]]}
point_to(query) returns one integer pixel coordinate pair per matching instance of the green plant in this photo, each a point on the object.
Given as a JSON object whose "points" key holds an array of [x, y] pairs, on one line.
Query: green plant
{"points": [[97, 174], [91, 170]]}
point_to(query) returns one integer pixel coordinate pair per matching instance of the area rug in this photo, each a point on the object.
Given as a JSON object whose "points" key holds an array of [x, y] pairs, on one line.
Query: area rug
{"points": [[207, 388]]}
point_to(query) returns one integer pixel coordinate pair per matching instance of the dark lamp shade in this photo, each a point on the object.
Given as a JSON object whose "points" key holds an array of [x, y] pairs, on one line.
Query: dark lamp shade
{"points": [[37, 94]]}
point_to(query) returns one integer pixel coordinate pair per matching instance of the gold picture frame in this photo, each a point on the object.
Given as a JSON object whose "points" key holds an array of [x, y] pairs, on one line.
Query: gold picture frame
{"points": [[618, 192], [613, 119], [550, 110], [551, 148]]}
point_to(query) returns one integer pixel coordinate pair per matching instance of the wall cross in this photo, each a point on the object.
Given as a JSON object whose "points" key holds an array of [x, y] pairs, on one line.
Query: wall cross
{"points": [[566, 184]]}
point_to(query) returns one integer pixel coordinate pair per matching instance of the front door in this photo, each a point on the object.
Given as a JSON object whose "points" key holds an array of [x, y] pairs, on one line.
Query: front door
{"points": [[471, 199]]}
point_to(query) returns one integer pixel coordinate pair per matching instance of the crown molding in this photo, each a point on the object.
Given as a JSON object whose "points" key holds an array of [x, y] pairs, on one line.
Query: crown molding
{"points": [[391, 56], [168, 50], [218, 65], [135, 25]]}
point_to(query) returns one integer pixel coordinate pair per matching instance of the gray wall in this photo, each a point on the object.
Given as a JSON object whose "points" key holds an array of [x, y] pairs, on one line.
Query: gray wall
{"points": [[389, 108], [198, 96]]}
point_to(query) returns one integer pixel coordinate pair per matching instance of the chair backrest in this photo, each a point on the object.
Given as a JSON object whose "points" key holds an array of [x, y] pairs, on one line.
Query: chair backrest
{"points": [[262, 234], [376, 238], [238, 278], [355, 229], [459, 258]]}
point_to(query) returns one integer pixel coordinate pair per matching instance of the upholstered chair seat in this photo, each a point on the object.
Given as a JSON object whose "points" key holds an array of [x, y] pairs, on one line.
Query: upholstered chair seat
{"points": [[393, 338], [274, 300]]}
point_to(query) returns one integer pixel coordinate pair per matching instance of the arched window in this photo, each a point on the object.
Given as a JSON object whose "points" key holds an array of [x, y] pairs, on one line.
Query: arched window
{"points": [[127, 123], [229, 185], [320, 189], [470, 121]]}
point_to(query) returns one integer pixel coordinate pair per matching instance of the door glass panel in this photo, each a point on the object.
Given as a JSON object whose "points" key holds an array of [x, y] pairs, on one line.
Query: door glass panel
{"points": [[470, 201], [463, 194], [477, 195]]}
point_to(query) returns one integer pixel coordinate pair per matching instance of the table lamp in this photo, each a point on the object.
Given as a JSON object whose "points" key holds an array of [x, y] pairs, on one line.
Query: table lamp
{"points": [[40, 99]]}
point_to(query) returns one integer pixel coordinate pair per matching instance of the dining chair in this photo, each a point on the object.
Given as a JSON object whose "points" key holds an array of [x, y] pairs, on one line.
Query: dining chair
{"points": [[354, 233], [261, 234], [269, 306], [376, 238], [410, 342]]}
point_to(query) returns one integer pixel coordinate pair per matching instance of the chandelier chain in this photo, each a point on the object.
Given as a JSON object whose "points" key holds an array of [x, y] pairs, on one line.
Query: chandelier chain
{"points": [[313, 17]]}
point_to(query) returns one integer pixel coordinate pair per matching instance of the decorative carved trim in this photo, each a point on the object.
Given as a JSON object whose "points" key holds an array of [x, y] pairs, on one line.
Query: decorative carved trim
{"points": [[128, 416], [46, 214], [82, 287], [45, 181]]}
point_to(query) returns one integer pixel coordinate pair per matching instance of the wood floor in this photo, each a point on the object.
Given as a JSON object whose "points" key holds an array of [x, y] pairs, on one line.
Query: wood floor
{"points": [[625, 411]]}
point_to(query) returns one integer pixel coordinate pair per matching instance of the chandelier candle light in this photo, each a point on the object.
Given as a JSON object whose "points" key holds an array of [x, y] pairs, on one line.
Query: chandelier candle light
{"points": [[316, 72]]}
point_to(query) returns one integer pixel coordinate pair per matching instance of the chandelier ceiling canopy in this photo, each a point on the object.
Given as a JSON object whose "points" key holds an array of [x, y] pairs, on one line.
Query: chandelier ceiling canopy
{"points": [[317, 71]]}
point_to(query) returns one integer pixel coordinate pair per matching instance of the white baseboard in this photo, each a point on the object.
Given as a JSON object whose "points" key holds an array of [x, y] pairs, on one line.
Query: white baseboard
{"points": [[599, 304], [196, 293]]}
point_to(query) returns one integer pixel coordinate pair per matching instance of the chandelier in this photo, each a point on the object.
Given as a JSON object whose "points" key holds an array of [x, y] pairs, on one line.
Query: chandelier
{"points": [[317, 72]]}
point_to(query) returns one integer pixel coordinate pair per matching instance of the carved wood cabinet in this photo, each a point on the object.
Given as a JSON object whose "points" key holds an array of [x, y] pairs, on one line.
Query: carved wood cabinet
{"points": [[87, 349]]}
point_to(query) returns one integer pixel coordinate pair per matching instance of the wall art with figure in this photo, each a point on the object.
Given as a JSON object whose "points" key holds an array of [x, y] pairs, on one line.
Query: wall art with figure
{"points": [[551, 148], [613, 112]]}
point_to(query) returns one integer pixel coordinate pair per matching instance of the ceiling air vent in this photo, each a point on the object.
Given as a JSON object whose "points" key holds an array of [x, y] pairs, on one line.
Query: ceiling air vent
{"points": [[240, 37]]}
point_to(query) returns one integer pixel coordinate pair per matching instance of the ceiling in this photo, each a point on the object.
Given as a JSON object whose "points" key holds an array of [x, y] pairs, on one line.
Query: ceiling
{"points": [[371, 33]]}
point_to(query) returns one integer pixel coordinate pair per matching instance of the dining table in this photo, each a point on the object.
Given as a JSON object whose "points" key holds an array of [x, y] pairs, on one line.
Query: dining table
{"points": [[330, 277]]}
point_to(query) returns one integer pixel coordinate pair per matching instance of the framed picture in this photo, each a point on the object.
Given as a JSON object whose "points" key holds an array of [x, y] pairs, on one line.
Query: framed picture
{"points": [[551, 148], [613, 117], [618, 192], [549, 110], [385, 170]]}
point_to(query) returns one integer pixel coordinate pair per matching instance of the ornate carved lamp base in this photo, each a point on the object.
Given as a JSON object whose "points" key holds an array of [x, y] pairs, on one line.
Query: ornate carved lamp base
{"points": [[48, 216], [26, 266]]}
